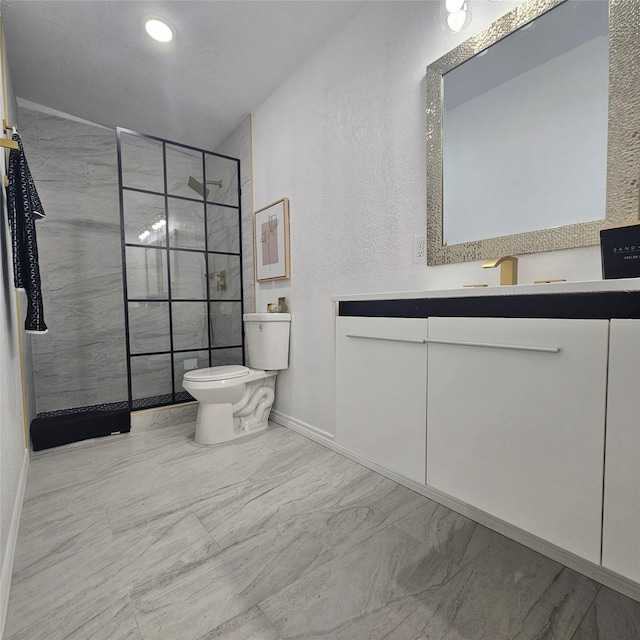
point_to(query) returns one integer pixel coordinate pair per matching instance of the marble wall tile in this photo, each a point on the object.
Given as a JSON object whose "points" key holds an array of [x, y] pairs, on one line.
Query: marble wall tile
{"points": [[149, 327], [190, 329], [151, 419], [186, 224], [223, 232], [226, 324], [238, 145], [151, 376], [146, 273], [220, 357], [81, 361], [230, 289], [226, 171], [142, 163], [141, 210], [182, 164], [189, 276]]}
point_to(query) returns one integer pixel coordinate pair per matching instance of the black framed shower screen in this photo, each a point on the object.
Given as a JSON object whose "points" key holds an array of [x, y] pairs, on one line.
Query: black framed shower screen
{"points": [[180, 223]]}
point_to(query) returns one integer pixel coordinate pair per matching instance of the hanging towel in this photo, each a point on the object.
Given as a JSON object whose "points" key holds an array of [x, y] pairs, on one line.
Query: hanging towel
{"points": [[24, 207]]}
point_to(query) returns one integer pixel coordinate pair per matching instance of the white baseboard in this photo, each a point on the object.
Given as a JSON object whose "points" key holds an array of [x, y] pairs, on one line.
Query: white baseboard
{"points": [[10, 551], [595, 572], [301, 427]]}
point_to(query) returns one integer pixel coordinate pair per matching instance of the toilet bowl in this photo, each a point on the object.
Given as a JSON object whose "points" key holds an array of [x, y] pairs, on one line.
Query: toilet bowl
{"points": [[234, 400]]}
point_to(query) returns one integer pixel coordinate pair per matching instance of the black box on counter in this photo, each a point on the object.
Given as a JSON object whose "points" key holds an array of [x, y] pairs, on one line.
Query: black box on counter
{"points": [[620, 251]]}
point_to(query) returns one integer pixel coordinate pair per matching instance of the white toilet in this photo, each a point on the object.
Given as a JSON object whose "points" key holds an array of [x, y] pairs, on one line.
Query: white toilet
{"points": [[235, 401]]}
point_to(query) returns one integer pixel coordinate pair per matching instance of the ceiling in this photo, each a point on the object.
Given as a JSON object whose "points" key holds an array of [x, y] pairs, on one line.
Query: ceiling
{"points": [[92, 59]]}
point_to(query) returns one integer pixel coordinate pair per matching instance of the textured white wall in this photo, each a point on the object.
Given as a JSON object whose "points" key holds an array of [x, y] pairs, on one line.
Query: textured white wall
{"points": [[344, 139]]}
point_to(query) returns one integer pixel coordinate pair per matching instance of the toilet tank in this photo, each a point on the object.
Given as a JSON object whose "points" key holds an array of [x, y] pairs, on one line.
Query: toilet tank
{"points": [[267, 336]]}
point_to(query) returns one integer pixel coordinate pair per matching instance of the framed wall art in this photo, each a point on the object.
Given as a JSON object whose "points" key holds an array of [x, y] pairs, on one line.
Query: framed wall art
{"points": [[271, 241]]}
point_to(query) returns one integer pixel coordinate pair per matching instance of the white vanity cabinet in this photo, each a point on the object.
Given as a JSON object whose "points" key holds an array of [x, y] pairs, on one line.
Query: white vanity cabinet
{"points": [[515, 422], [381, 381], [621, 523]]}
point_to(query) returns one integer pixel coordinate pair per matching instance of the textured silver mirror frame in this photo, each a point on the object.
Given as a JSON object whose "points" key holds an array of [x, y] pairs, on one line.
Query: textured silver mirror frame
{"points": [[623, 153]]}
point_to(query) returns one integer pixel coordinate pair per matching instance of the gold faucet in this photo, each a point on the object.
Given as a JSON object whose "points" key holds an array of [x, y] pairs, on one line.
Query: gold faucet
{"points": [[508, 268]]}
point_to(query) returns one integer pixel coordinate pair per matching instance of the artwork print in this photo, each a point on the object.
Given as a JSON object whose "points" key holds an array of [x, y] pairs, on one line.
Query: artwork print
{"points": [[271, 241]]}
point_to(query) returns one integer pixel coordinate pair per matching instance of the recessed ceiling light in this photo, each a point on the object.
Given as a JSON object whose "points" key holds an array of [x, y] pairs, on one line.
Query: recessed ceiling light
{"points": [[159, 30]]}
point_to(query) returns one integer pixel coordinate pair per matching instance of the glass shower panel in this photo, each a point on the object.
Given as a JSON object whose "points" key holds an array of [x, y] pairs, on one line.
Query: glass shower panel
{"points": [[220, 357], [188, 275], [226, 324], [186, 224], [182, 260], [186, 361], [151, 382], [184, 172], [142, 163], [222, 179], [146, 273], [224, 277], [144, 218], [149, 327], [223, 229], [189, 325]]}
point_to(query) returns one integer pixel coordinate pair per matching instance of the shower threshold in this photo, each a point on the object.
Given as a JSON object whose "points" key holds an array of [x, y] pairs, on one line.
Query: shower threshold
{"points": [[64, 426]]}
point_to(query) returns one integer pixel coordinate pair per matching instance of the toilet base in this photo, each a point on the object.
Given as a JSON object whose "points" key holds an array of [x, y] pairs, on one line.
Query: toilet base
{"points": [[220, 422]]}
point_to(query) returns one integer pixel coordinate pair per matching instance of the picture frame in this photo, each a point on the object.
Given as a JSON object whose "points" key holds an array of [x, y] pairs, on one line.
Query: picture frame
{"points": [[271, 251]]}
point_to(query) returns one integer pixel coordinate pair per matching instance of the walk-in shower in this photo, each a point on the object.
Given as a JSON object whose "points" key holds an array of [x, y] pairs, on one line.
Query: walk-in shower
{"points": [[182, 264]]}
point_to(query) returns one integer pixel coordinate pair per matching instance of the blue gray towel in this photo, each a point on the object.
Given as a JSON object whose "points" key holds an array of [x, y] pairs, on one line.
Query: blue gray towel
{"points": [[24, 207]]}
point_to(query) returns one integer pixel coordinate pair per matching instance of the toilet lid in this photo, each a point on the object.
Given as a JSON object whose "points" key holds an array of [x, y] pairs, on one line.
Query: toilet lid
{"points": [[217, 373]]}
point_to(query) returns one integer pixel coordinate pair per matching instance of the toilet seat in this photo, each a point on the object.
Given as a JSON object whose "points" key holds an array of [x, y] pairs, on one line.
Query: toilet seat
{"points": [[211, 374]]}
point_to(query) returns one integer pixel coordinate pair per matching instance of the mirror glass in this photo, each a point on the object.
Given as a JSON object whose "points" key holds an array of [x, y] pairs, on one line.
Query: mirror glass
{"points": [[532, 132], [525, 128]]}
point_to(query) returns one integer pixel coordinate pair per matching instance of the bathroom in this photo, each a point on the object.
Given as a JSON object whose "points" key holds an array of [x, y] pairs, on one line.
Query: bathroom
{"points": [[347, 130]]}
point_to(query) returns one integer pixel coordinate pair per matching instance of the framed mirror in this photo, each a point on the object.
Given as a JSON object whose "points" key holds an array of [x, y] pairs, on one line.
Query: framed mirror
{"points": [[533, 132]]}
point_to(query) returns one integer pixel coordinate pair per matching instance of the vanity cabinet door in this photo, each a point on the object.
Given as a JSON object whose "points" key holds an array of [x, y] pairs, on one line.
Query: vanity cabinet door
{"points": [[381, 391], [519, 433], [621, 526]]}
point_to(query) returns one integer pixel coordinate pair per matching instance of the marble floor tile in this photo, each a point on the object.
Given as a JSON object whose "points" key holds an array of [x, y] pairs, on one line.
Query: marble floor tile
{"points": [[507, 592], [200, 598], [242, 511], [611, 616], [45, 544], [364, 504], [344, 595], [448, 532], [251, 625], [337, 470], [150, 536]]}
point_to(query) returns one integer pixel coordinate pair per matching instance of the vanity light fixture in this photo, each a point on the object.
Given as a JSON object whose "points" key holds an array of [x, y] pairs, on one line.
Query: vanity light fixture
{"points": [[454, 5], [458, 16], [158, 30]]}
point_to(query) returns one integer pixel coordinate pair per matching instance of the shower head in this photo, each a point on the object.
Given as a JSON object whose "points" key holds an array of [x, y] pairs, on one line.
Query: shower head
{"points": [[199, 188]]}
